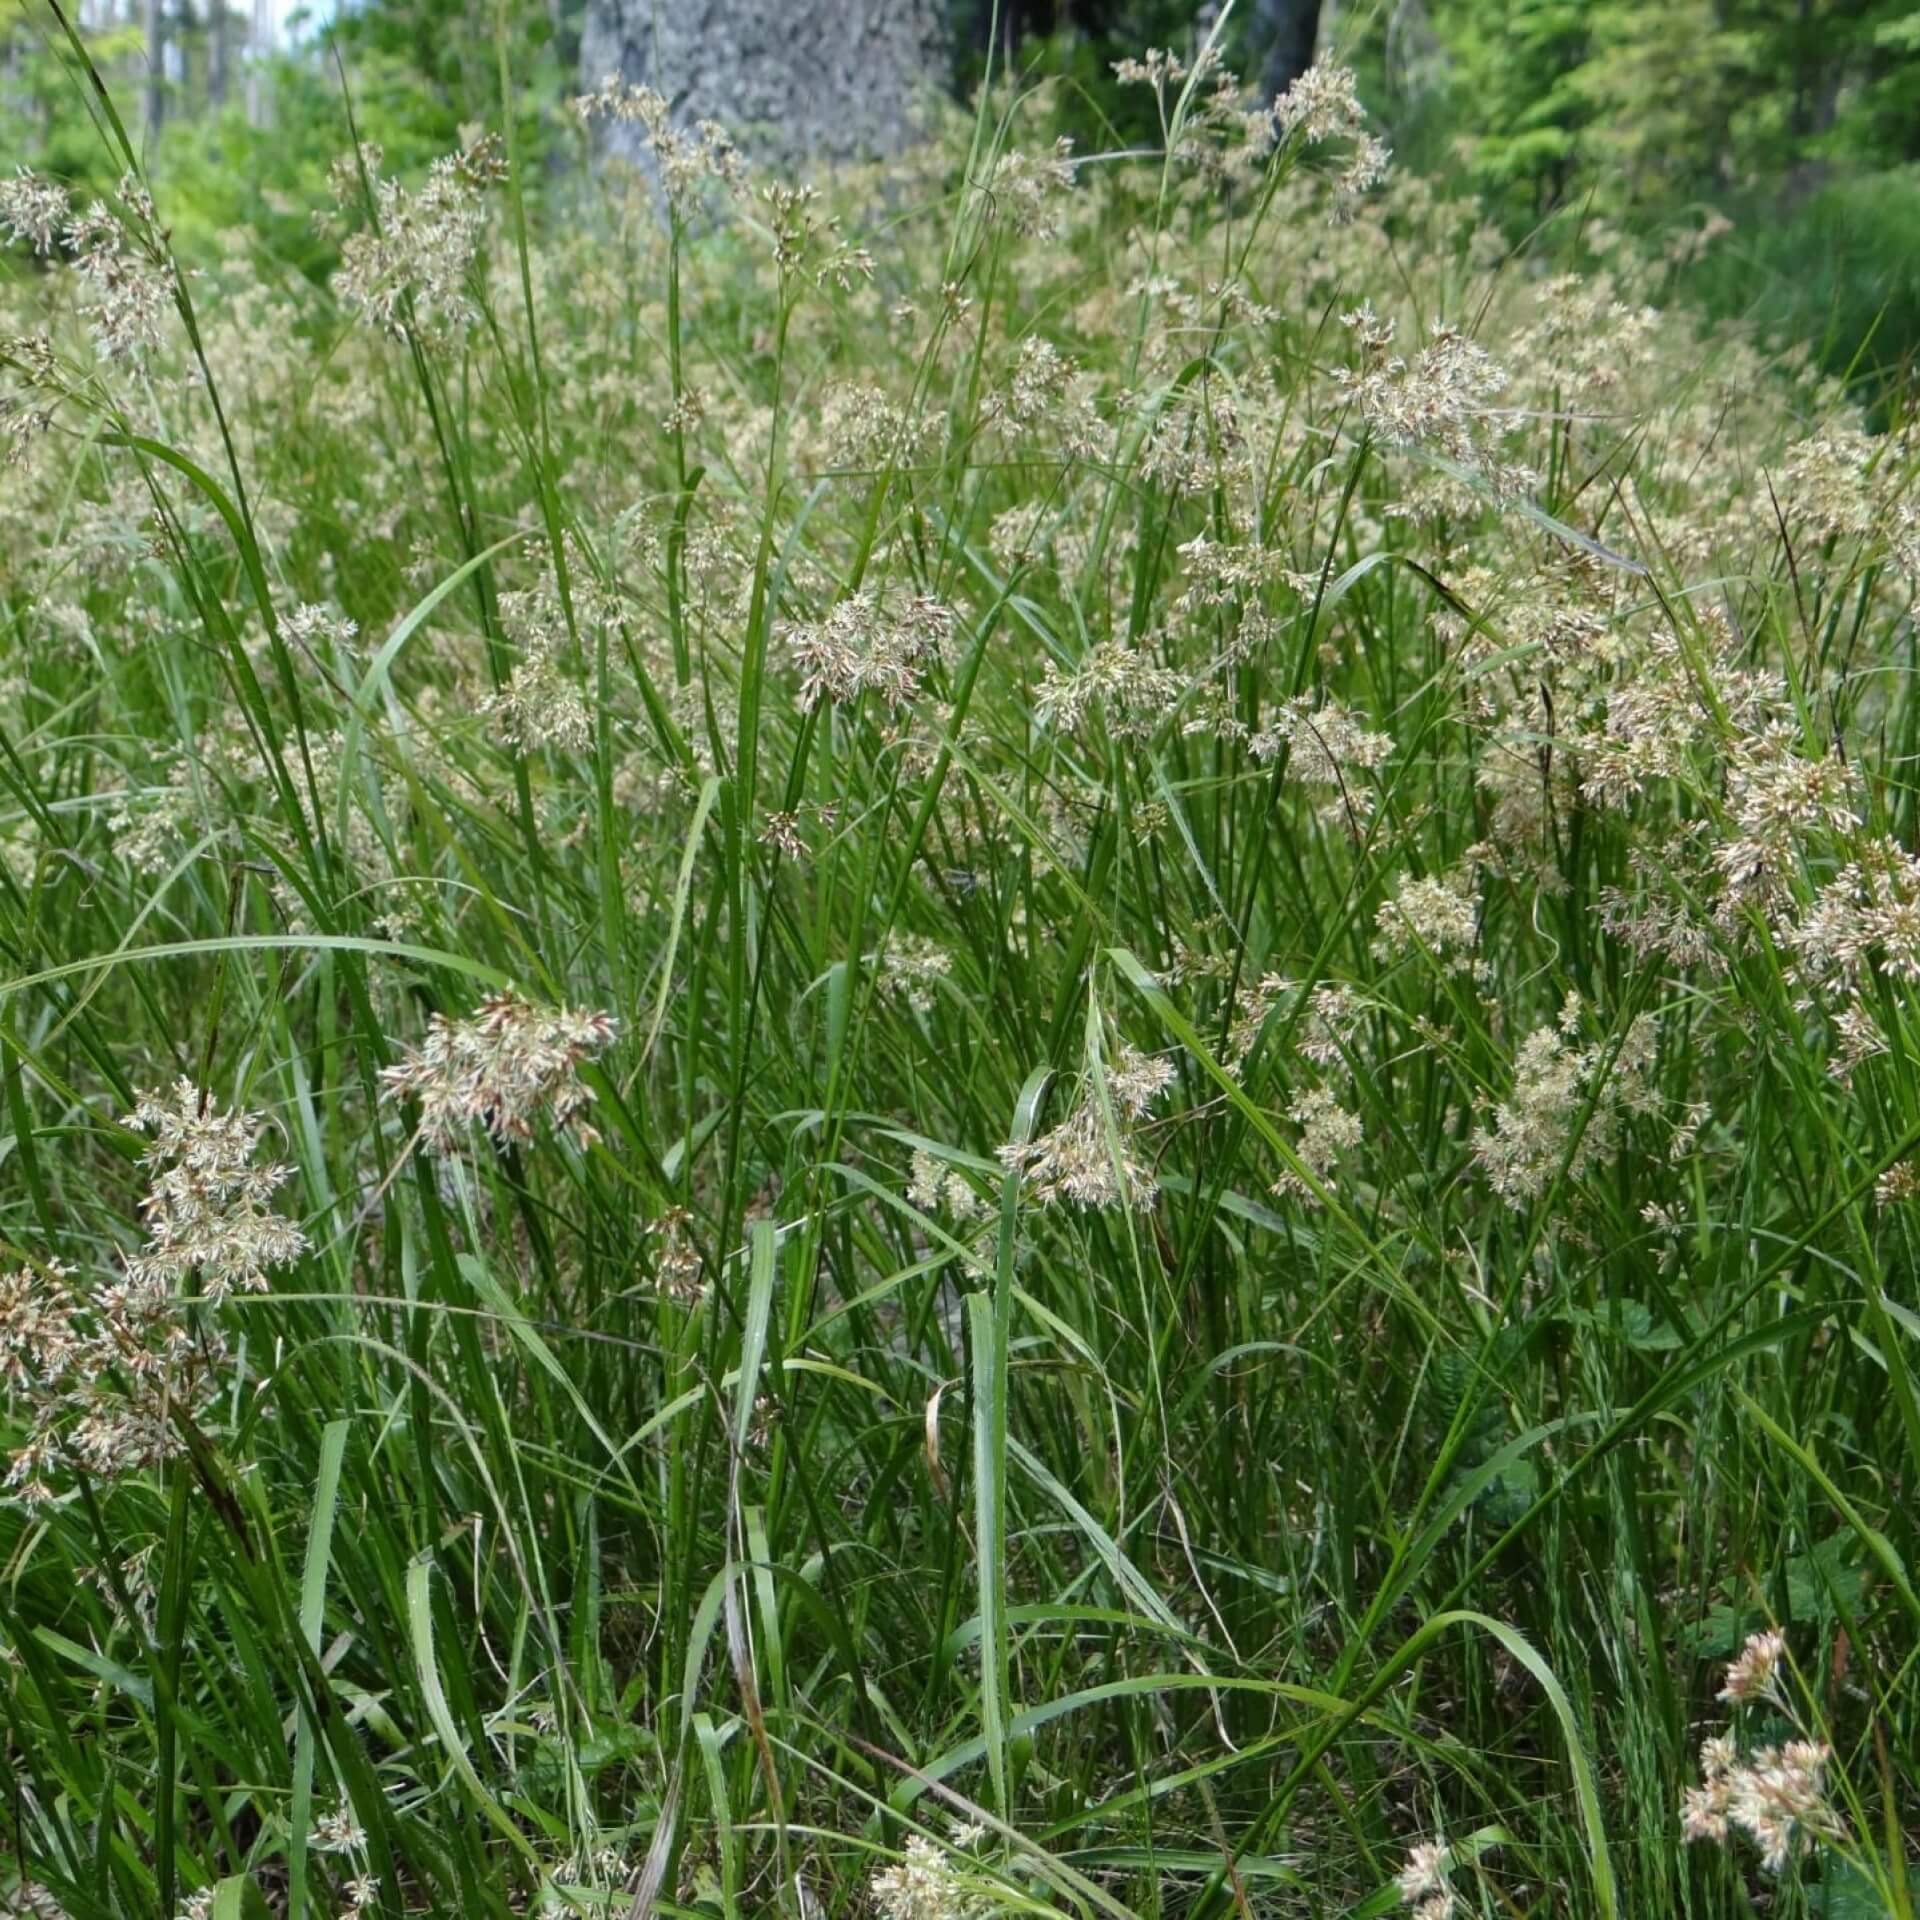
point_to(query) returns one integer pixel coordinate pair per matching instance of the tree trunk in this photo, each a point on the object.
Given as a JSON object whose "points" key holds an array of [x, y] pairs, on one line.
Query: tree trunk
{"points": [[217, 54], [1014, 20], [259, 54], [156, 64], [791, 80], [1287, 30]]}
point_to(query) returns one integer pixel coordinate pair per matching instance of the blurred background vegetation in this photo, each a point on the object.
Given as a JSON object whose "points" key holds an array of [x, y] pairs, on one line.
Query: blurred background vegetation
{"points": [[1795, 121]]}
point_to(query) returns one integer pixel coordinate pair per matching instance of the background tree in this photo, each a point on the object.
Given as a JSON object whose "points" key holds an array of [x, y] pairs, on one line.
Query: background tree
{"points": [[156, 99], [1798, 120], [791, 78], [1289, 31], [217, 27]]}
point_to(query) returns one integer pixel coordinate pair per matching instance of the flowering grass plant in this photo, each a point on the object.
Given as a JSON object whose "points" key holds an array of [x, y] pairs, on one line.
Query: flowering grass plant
{"points": [[1032, 1035]]}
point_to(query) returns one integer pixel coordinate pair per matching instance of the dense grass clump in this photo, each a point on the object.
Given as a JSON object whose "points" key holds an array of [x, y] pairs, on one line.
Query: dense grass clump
{"points": [[1038, 1037]]}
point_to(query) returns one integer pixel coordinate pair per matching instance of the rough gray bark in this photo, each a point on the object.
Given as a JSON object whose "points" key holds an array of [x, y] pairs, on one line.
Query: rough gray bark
{"points": [[791, 80]]}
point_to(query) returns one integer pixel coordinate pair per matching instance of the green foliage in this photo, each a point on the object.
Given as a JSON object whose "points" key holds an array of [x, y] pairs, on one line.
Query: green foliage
{"points": [[1839, 270], [43, 107], [1646, 103], [1076, 58], [227, 177], [432, 64], [1798, 121], [416, 74]]}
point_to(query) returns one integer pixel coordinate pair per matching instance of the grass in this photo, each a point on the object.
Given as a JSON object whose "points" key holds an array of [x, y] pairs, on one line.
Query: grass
{"points": [[1253, 1199]]}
